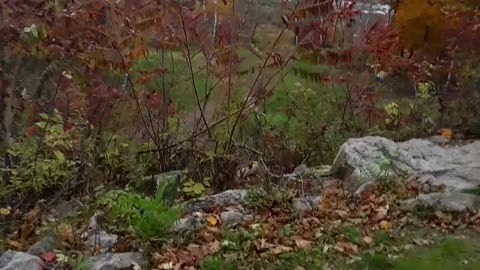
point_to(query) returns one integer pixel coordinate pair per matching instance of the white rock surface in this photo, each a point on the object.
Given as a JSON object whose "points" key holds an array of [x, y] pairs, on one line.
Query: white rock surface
{"points": [[362, 160]]}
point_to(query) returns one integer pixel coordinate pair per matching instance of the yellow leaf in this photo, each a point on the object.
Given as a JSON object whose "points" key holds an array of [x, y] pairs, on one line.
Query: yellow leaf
{"points": [[212, 220], [5, 212], [385, 225], [65, 232]]}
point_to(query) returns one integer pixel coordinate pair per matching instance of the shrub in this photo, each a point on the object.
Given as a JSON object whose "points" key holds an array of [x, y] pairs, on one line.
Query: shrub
{"points": [[40, 168], [148, 217]]}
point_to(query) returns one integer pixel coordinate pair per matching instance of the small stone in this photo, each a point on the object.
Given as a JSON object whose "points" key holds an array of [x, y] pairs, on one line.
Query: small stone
{"points": [[111, 261], [102, 239], [13, 260], [187, 224], [248, 218], [231, 217], [307, 204], [47, 243]]}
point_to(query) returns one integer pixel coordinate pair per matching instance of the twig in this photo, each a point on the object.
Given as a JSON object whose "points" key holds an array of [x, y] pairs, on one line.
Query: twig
{"points": [[242, 108], [189, 61]]}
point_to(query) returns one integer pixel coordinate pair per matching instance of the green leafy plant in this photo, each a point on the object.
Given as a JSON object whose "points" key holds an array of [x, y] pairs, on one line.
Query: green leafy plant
{"points": [[393, 115], [148, 217], [192, 189], [39, 168]]}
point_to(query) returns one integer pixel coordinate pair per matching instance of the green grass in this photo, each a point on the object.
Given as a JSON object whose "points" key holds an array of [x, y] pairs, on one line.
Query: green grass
{"points": [[450, 253]]}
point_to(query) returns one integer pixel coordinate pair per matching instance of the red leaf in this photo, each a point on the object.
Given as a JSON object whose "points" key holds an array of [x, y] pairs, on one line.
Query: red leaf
{"points": [[49, 256]]}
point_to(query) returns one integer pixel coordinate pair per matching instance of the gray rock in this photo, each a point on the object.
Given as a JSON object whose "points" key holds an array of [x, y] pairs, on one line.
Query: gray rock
{"points": [[150, 184], [102, 239], [447, 201], [47, 243], [223, 199], [12, 260], [363, 160], [309, 203], [231, 217], [189, 223], [114, 261]]}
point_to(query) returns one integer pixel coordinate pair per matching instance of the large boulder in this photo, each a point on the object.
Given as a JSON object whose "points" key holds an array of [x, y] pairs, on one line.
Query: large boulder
{"points": [[13, 260], [364, 160]]}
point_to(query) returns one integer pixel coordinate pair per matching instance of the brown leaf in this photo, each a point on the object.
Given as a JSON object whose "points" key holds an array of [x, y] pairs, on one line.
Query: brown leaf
{"points": [[346, 248], [302, 243], [368, 240], [14, 244], [65, 232], [185, 258], [278, 249]]}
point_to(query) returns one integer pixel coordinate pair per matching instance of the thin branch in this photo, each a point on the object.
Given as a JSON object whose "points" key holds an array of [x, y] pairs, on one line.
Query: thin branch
{"points": [[189, 61], [254, 84]]}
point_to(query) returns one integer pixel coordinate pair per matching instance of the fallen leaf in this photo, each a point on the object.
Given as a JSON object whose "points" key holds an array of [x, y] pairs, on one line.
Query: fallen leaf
{"points": [[14, 244], [280, 249], [65, 232], [213, 220], [185, 258], [346, 248], [447, 133], [385, 225], [213, 247], [302, 243], [368, 240], [196, 250], [5, 212], [136, 266], [49, 256], [61, 258], [166, 266]]}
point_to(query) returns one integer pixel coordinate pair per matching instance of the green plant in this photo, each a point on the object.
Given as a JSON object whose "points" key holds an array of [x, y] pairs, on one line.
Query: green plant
{"points": [[82, 263], [148, 217], [393, 115], [374, 261], [216, 263], [276, 196], [353, 234], [39, 168], [192, 189]]}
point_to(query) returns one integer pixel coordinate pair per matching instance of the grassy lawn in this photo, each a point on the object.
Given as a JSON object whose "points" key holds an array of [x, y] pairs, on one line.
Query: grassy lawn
{"points": [[448, 252]]}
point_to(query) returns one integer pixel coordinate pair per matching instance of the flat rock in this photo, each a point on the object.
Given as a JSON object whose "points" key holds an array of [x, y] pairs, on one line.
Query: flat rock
{"points": [[363, 160], [223, 199], [114, 261], [447, 201], [13, 260]]}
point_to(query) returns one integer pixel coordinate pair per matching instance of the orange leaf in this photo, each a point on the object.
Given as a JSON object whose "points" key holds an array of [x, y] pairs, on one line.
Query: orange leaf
{"points": [[447, 133]]}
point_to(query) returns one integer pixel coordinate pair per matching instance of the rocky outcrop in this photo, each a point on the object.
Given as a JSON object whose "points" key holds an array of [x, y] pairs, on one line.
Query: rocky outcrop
{"points": [[447, 201], [364, 160]]}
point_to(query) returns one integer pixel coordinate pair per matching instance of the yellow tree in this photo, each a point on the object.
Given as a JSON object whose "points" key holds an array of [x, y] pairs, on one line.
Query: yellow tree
{"points": [[419, 24]]}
